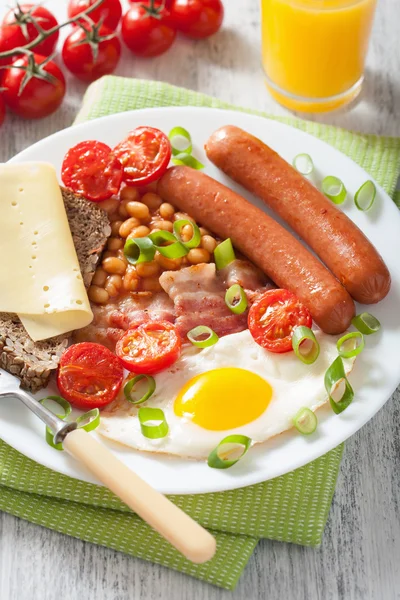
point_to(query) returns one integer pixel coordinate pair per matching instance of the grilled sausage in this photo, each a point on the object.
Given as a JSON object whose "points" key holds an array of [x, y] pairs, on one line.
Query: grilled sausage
{"points": [[338, 242], [281, 256]]}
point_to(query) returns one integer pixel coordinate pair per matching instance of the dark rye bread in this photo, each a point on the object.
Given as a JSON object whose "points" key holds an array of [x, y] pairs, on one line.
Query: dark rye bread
{"points": [[32, 361]]}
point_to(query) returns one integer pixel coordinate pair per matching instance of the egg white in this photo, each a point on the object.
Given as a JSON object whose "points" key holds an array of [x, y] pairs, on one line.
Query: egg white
{"points": [[294, 384]]}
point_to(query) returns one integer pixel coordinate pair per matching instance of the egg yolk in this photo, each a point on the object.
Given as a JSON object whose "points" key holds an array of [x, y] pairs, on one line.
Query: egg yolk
{"points": [[223, 398]]}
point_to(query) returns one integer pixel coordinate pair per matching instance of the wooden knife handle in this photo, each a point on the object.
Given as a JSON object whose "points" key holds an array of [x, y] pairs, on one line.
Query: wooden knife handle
{"points": [[187, 536]]}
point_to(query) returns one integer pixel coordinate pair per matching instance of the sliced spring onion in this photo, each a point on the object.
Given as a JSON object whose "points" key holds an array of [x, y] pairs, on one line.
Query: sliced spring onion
{"points": [[130, 385], [224, 254], [303, 164], [366, 323], [188, 160], [176, 147], [236, 299], [153, 423], [304, 336], [305, 421], [89, 420], [195, 240], [334, 189], [333, 376], [365, 196], [139, 250], [236, 445], [66, 411], [341, 344], [173, 249], [200, 331]]}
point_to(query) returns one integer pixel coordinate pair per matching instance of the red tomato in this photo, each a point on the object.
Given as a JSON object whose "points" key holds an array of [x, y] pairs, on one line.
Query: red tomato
{"points": [[91, 169], [20, 22], [89, 375], [273, 317], [86, 62], [9, 39], [144, 155], [150, 347], [40, 97], [197, 18], [148, 32], [109, 10], [2, 111]]}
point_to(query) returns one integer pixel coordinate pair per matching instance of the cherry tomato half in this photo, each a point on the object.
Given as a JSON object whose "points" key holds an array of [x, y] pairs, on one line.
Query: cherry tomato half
{"points": [[89, 375], [148, 32], [197, 19], [144, 155], [109, 10], [80, 57], [20, 28], [150, 347], [273, 317], [92, 169]]}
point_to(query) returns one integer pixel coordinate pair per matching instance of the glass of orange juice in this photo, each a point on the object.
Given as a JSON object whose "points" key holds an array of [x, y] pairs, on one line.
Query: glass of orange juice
{"points": [[313, 51]]}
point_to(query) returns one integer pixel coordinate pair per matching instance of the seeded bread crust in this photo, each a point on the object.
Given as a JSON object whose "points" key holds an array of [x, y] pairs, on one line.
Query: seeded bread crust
{"points": [[32, 361]]}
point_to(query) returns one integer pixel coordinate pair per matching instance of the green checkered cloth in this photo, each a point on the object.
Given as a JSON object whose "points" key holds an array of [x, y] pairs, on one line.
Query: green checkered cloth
{"points": [[292, 508]]}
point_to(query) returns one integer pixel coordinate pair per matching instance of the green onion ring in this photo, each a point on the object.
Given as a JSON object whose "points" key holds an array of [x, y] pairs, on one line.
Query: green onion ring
{"points": [[231, 299], [139, 250], [174, 250], [349, 336], [195, 240], [153, 432], [365, 196], [334, 375], [188, 160], [200, 330], [216, 460], [366, 323], [128, 388], [224, 254], [180, 132], [94, 420], [305, 421], [303, 164], [301, 334], [65, 405], [334, 189]]}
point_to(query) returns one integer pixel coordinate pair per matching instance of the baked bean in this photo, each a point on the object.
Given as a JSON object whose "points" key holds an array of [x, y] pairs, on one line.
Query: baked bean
{"points": [[148, 269], [138, 210], [208, 243], [108, 254], [151, 284], [131, 281], [150, 187], [204, 231], [180, 215], [130, 194], [166, 210], [121, 256], [122, 210], [98, 295], [99, 278], [152, 201], [115, 243], [139, 232], [115, 225], [110, 205], [169, 264], [114, 265], [186, 233], [164, 225], [114, 217], [113, 285], [127, 226], [198, 255]]}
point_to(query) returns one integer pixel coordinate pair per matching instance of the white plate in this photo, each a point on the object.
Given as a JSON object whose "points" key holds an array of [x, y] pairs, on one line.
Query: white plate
{"points": [[377, 371]]}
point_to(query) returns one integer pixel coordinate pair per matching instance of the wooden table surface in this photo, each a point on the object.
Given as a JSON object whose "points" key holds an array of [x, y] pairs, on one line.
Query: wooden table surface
{"points": [[359, 556]]}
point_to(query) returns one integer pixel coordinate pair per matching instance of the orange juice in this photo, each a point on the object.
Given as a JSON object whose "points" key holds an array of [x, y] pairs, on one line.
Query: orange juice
{"points": [[313, 51]]}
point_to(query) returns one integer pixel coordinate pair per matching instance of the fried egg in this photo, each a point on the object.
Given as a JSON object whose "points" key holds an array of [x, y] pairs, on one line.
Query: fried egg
{"points": [[232, 387]]}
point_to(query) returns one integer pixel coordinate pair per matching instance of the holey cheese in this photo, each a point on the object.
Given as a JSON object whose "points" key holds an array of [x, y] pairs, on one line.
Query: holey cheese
{"points": [[40, 278]]}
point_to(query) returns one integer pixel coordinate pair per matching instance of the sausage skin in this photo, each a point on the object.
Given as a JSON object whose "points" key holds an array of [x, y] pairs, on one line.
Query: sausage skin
{"points": [[338, 242], [259, 237]]}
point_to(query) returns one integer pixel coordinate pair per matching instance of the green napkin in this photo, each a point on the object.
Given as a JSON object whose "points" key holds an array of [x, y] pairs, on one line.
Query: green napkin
{"points": [[292, 508]]}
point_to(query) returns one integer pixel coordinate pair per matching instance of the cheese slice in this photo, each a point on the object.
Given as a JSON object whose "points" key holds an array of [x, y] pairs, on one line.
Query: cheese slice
{"points": [[40, 278]]}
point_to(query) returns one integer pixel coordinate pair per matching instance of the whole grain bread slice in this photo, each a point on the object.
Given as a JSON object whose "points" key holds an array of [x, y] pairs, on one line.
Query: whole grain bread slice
{"points": [[32, 361]]}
